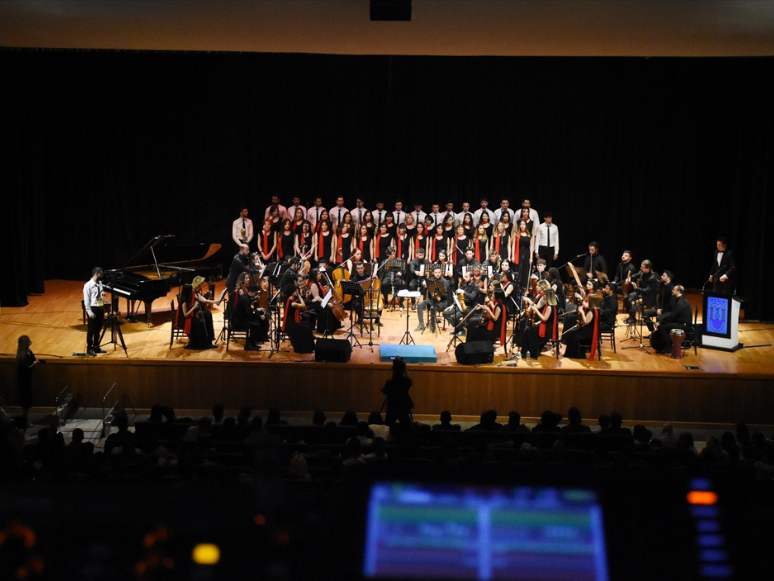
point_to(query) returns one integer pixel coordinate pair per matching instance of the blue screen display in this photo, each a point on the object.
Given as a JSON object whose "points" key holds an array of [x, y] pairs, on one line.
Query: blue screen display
{"points": [[716, 315], [457, 532]]}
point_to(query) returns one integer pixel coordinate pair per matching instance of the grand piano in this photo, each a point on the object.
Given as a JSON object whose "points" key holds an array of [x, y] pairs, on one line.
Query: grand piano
{"points": [[156, 268]]}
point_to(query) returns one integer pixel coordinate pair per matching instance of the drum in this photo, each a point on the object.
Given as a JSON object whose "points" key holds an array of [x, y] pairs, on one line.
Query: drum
{"points": [[677, 336], [658, 342]]}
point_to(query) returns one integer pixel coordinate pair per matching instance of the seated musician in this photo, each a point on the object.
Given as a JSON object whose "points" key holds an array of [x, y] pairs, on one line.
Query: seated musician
{"points": [[585, 329], [492, 323], [247, 318], [678, 318], [466, 263], [665, 301], [447, 267], [608, 309], [326, 321], [358, 303], [297, 312], [540, 271], [480, 277], [437, 296], [544, 329], [645, 286], [624, 272], [506, 292], [392, 277], [352, 261], [418, 270], [581, 299], [595, 262], [469, 297], [492, 264], [288, 280], [198, 320]]}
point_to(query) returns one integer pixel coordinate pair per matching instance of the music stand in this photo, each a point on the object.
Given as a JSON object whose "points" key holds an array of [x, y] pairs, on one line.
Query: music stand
{"points": [[393, 267], [352, 288], [408, 294], [114, 325], [631, 330]]}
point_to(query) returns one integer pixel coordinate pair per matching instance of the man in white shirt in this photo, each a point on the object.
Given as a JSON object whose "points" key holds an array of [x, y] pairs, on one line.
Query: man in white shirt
{"points": [[338, 211], [93, 302], [547, 240], [399, 214], [504, 207], [242, 229], [275, 201], [465, 210], [436, 215], [296, 206], [314, 213], [380, 213], [358, 213], [533, 215], [484, 209], [419, 215], [449, 210]]}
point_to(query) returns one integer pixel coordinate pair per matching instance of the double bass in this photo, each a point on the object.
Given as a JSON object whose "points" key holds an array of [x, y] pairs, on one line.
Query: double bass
{"points": [[335, 302]]}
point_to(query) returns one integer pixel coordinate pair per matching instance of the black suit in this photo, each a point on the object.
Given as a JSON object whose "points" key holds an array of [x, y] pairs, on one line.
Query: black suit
{"points": [[727, 267], [680, 317], [598, 265]]}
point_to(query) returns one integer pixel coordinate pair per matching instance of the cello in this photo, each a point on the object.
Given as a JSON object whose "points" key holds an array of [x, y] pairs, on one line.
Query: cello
{"points": [[335, 302]]}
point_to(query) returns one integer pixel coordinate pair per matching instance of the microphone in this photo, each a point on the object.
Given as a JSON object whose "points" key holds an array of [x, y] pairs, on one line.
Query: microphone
{"points": [[581, 255]]}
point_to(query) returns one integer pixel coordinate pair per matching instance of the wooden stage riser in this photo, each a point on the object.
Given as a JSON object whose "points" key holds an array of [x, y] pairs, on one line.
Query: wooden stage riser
{"points": [[305, 387]]}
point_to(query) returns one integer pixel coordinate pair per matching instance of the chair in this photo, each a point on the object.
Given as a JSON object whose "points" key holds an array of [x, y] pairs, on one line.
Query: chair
{"points": [[175, 331], [230, 331], [608, 336]]}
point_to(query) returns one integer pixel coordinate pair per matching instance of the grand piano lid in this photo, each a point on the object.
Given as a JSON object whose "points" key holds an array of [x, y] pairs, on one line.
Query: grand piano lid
{"points": [[160, 252]]}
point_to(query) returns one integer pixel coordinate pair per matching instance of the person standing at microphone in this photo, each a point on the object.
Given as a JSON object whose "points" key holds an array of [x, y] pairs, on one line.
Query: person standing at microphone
{"points": [[94, 303]]}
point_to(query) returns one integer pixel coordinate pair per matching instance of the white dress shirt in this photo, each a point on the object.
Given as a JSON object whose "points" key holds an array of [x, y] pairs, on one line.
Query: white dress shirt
{"points": [[236, 230], [337, 214], [92, 295], [542, 236], [313, 214]]}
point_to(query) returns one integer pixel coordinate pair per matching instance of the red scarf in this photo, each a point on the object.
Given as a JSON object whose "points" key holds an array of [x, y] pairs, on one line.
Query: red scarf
{"points": [[340, 249], [456, 248], [518, 245], [400, 246], [478, 249], [542, 332], [595, 336], [266, 241], [296, 315], [497, 244]]}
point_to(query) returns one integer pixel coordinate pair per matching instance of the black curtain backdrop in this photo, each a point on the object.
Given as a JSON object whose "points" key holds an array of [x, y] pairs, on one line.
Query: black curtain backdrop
{"points": [[107, 149]]}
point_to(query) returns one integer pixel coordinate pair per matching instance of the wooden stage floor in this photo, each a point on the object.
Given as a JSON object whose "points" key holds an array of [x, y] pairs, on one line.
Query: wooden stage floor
{"points": [[726, 387]]}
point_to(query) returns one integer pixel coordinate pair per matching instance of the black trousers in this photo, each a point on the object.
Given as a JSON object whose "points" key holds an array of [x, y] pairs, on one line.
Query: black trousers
{"points": [[95, 327]]}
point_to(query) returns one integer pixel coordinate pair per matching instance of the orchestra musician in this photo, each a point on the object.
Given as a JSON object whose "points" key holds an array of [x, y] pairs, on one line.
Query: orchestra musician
{"points": [[645, 287], [326, 321], [198, 320], [586, 327], [594, 262], [289, 276], [417, 271], [393, 280], [298, 321], [239, 264], [545, 328], [469, 297], [678, 318], [466, 263], [608, 309], [624, 271], [357, 303], [436, 300], [492, 324], [246, 317], [665, 301]]}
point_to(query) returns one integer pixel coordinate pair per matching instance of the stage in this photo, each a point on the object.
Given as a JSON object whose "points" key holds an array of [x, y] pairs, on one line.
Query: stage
{"points": [[713, 387]]}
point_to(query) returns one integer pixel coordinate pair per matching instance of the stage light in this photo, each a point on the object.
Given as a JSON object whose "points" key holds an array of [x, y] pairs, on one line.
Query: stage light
{"points": [[702, 497], [206, 554]]}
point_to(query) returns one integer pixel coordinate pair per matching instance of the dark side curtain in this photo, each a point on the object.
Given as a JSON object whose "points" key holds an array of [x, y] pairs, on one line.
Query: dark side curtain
{"points": [[660, 156]]}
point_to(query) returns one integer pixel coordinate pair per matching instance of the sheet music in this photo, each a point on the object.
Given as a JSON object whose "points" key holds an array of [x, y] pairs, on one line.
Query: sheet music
{"points": [[327, 298]]}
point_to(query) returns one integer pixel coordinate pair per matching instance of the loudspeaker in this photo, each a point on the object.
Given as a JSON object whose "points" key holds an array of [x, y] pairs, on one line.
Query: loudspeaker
{"points": [[474, 352], [333, 350]]}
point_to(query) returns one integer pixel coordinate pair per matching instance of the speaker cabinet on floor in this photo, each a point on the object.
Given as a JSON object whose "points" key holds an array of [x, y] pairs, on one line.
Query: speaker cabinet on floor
{"points": [[332, 350], [474, 352]]}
